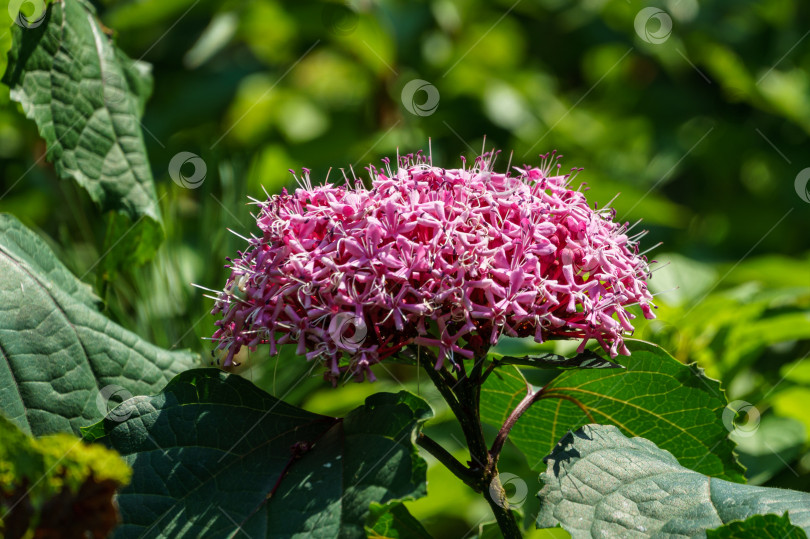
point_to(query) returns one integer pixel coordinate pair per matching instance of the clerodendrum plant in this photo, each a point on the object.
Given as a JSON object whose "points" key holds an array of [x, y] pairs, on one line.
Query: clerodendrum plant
{"points": [[428, 266], [435, 265]]}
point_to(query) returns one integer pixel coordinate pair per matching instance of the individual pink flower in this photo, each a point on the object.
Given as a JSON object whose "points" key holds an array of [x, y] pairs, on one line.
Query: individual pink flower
{"points": [[445, 258]]}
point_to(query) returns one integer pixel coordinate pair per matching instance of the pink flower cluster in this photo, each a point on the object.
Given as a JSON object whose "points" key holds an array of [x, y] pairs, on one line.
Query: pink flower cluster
{"points": [[445, 258]]}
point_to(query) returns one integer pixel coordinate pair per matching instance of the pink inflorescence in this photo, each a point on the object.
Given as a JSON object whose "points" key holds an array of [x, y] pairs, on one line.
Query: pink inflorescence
{"points": [[445, 258]]}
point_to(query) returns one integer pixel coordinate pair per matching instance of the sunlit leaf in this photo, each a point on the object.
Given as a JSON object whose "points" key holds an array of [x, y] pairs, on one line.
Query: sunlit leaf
{"points": [[600, 483], [86, 97], [58, 353], [656, 397]]}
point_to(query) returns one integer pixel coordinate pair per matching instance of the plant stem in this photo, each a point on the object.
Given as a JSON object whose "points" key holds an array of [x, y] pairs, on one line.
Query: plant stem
{"points": [[454, 394], [500, 508], [463, 397], [497, 445], [470, 420], [444, 388], [450, 462]]}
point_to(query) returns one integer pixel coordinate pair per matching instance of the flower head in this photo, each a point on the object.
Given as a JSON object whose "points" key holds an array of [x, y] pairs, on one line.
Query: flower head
{"points": [[445, 258]]}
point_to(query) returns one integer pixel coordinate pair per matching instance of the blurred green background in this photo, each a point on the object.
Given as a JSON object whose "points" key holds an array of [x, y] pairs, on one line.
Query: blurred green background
{"points": [[702, 127]]}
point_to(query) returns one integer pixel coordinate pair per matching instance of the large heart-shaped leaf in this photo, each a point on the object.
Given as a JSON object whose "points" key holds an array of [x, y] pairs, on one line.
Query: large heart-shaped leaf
{"points": [[86, 97], [213, 455], [21, 244], [60, 359], [656, 397], [599, 483]]}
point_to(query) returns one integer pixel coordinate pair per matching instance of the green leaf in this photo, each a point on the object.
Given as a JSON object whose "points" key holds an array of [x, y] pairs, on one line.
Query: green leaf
{"points": [[86, 97], [769, 526], [657, 397], [5, 34], [56, 486], [60, 359], [126, 244], [393, 522], [684, 280], [213, 451], [770, 447], [586, 360], [21, 244], [410, 355], [750, 339], [793, 402], [600, 483]]}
